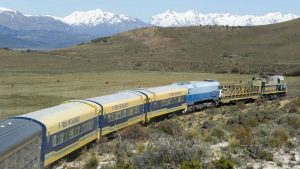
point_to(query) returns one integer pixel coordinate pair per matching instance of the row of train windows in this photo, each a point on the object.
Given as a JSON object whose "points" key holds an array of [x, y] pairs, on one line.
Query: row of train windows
{"points": [[166, 102], [71, 133], [28, 157], [123, 113]]}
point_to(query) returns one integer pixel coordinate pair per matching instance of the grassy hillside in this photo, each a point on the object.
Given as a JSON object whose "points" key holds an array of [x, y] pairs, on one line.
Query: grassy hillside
{"points": [[271, 48]]}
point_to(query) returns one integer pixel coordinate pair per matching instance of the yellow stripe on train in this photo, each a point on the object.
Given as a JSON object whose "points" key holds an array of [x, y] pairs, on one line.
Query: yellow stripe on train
{"points": [[56, 155]]}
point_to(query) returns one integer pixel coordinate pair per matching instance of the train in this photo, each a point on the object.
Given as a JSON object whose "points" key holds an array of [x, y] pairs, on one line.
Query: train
{"points": [[38, 139]]}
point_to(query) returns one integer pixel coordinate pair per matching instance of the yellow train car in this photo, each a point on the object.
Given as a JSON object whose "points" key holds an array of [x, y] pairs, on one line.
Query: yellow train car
{"points": [[66, 128], [120, 110], [164, 100]]}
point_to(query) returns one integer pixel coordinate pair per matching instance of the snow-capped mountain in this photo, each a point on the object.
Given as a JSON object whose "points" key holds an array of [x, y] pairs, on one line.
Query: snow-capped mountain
{"points": [[171, 18], [95, 17], [100, 23], [18, 21], [54, 32]]}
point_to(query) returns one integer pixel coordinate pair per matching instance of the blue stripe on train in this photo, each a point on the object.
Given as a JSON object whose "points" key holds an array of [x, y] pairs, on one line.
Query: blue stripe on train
{"points": [[195, 98], [49, 144]]}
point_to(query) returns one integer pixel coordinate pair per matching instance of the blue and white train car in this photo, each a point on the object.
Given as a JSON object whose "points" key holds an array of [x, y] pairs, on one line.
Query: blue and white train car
{"points": [[200, 92]]}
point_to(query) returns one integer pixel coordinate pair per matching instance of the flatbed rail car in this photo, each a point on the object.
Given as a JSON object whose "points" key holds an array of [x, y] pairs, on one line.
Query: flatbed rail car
{"points": [[238, 92]]}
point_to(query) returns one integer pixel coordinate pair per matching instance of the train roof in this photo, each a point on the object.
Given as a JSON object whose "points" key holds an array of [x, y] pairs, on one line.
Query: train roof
{"points": [[164, 92], [192, 84], [15, 132], [163, 89], [53, 116], [117, 97]]}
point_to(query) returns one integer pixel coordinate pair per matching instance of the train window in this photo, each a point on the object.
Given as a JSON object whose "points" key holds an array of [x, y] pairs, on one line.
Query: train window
{"points": [[118, 115], [59, 138], [136, 110], [54, 141], [71, 133], [123, 113], [129, 112], [77, 131], [111, 117], [90, 125], [81, 129], [107, 117]]}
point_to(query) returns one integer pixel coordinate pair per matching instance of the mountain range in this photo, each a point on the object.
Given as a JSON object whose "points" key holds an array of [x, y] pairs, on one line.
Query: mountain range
{"points": [[171, 18], [22, 31]]}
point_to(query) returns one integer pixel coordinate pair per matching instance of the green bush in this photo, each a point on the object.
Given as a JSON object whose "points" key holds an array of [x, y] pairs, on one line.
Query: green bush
{"points": [[171, 151], [292, 120], [264, 155], [271, 135], [102, 39], [91, 162], [170, 127], [224, 163], [279, 138], [244, 134], [194, 164], [121, 164], [135, 133], [217, 132], [192, 134]]}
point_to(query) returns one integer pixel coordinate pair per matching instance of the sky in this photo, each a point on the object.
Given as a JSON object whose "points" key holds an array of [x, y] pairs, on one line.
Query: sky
{"points": [[144, 9]]}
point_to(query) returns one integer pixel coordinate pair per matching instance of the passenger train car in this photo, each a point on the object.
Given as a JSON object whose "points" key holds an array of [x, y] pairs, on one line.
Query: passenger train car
{"points": [[40, 138]]}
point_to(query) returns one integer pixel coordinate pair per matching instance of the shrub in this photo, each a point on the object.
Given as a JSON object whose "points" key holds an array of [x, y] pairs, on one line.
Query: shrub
{"points": [[254, 118], [292, 107], [102, 39], [224, 163], [194, 164], [192, 134], [235, 70], [271, 135], [294, 73], [292, 120], [170, 127], [244, 134], [279, 138], [124, 149], [91, 162], [221, 71], [135, 133], [234, 142], [170, 151], [265, 155], [121, 164], [217, 132], [140, 147]]}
